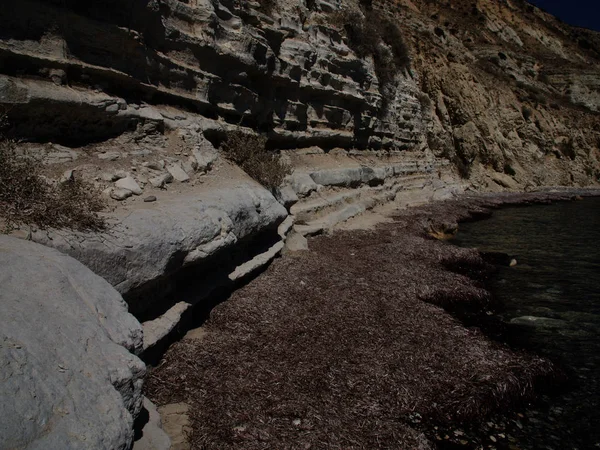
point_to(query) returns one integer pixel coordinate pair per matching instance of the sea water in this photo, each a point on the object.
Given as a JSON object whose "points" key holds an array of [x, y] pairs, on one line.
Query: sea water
{"points": [[551, 301]]}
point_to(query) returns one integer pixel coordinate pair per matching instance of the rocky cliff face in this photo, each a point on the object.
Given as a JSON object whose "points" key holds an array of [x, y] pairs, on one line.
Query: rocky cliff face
{"points": [[226, 61], [502, 89]]}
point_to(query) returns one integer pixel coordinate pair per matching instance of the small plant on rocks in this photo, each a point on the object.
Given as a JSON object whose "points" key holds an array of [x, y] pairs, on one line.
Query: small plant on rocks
{"points": [[249, 152], [27, 198]]}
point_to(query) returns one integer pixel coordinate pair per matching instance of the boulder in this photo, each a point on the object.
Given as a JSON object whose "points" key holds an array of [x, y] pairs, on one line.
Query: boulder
{"points": [[205, 155], [176, 170], [349, 177], [120, 194], [302, 183], [150, 244], [161, 180], [69, 377], [130, 184]]}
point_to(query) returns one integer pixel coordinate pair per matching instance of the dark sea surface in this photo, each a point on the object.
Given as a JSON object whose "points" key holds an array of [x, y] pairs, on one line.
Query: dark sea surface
{"points": [[551, 307]]}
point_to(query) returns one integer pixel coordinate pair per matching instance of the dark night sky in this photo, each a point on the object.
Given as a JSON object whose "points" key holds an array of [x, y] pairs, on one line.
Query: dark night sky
{"points": [[582, 13]]}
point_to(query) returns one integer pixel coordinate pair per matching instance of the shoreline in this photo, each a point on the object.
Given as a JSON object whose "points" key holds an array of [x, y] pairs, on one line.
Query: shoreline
{"points": [[242, 330]]}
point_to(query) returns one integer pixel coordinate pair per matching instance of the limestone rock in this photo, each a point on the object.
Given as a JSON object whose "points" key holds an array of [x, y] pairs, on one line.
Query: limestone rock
{"points": [[120, 193], [178, 173], [150, 244], [110, 156], [351, 176], [130, 184], [205, 157], [153, 436], [295, 242], [110, 177], [69, 379], [302, 183], [161, 180], [68, 176], [286, 196]]}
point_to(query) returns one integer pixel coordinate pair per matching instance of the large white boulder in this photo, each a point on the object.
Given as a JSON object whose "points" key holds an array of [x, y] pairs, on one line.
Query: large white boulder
{"points": [[151, 244], [69, 377]]}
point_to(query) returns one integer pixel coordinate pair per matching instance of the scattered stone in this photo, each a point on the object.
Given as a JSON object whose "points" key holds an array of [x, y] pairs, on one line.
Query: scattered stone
{"points": [[109, 156], [513, 262], [61, 155], [130, 184], [178, 173], [68, 176], [302, 184], [110, 177], [295, 242], [205, 158], [112, 108], [505, 181], [121, 174], [160, 165], [141, 152], [58, 77], [190, 165], [286, 196], [120, 194], [161, 180], [150, 199]]}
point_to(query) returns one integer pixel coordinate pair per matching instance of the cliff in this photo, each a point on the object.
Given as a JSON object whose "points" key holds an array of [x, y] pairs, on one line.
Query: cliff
{"points": [[367, 102], [495, 87]]}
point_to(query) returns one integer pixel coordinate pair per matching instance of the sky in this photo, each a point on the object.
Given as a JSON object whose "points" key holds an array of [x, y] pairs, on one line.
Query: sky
{"points": [[582, 13]]}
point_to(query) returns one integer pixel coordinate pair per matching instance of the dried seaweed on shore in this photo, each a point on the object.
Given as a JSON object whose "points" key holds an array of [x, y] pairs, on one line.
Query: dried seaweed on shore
{"points": [[337, 348]]}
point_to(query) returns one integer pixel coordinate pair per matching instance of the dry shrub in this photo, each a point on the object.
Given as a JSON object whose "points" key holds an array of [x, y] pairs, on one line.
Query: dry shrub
{"points": [[26, 197], [567, 148], [249, 152]]}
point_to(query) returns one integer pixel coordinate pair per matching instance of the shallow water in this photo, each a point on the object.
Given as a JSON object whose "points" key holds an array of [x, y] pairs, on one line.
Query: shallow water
{"points": [[551, 307]]}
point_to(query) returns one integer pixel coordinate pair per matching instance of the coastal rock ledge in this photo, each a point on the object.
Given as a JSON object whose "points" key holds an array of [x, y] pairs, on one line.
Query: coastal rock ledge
{"points": [[70, 377]]}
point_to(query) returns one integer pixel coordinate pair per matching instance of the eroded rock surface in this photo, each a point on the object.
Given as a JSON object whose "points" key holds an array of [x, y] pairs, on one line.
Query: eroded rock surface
{"points": [[495, 87], [69, 376]]}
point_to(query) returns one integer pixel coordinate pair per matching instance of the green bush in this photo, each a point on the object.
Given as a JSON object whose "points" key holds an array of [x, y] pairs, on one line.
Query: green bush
{"points": [[249, 152]]}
